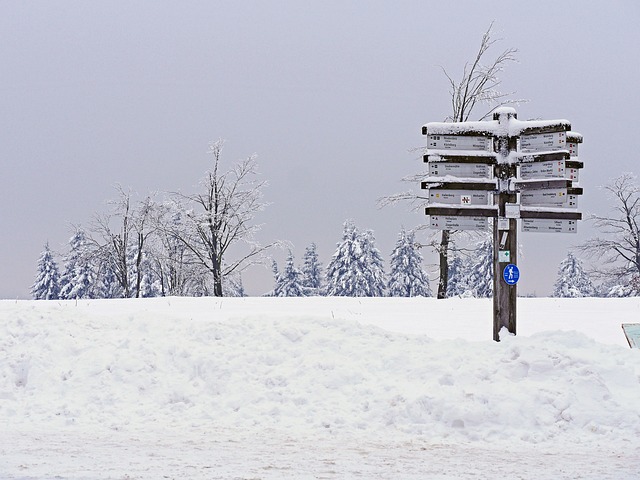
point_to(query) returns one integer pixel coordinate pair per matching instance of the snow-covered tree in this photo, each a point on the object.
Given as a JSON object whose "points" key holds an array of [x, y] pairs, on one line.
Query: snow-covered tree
{"points": [[78, 279], [457, 277], [289, 281], [232, 286], [407, 278], [221, 218], [312, 271], [108, 285], [479, 279], [627, 286], [617, 247], [572, 280], [46, 286], [150, 284], [356, 268]]}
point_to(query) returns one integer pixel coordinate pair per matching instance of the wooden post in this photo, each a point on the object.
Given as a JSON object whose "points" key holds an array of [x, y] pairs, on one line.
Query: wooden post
{"points": [[505, 232]]}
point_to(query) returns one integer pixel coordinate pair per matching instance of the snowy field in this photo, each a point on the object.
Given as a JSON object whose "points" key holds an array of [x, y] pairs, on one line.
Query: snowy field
{"points": [[317, 388]]}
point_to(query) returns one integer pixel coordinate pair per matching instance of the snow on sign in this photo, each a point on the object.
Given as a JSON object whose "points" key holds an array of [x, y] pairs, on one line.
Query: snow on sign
{"points": [[450, 222], [458, 142], [465, 170], [543, 142], [459, 197], [547, 225]]}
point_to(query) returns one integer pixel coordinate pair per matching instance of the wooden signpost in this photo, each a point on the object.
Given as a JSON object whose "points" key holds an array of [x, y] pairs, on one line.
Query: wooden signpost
{"points": [[507, 170]]}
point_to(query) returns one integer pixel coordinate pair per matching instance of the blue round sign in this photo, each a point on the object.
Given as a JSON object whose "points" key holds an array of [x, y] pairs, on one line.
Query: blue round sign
{"points": [[511, 274]]}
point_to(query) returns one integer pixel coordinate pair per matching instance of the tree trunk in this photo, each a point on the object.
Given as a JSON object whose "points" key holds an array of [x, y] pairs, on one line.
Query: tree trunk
{"points": [[444, 264]]}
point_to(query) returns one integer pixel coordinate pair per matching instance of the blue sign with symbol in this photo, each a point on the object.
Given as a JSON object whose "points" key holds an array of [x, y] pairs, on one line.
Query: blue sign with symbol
{"points": [[511, 274]]}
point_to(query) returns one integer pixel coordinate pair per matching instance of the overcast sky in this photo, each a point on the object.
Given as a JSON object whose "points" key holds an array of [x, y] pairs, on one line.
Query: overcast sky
{"points": [[331, 95]]}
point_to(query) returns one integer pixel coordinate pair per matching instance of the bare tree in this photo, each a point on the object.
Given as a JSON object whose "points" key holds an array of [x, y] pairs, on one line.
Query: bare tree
{"points": [[618, 246], [221, 217], [122, 235], [479, 84]]}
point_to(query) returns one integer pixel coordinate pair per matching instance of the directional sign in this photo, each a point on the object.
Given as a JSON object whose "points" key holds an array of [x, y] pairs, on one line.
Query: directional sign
{"points": [[511, 274], [448, 222], [551, 169], [531, 170], [458, 142], [459, 197], [464, 170], [546, 225], [544, 197], [543, 142], [573, 148]]}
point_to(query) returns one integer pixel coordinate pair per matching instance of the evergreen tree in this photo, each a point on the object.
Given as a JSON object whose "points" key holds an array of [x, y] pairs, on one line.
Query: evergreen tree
{"points": [[289, 282], [479, 279], [108, 285], [150, 284], [232, 286], [407, 278], [312, 271], [78, 278], [46, 286], [572, 280], [356, 268], [457, 277]]}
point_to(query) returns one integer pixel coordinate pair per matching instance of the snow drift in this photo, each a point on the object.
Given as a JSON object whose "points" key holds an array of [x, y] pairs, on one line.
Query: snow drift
{"points": [[319, 367]]}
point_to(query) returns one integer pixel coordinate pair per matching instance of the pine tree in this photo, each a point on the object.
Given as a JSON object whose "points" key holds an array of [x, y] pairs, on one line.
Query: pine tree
{"points": [[356, 268], [78, 278], [457, 277], [46, 286], [289, 282], [150, 284], [407, 278], [480, 277], [312, 271], [232, 286], [572, 280]]}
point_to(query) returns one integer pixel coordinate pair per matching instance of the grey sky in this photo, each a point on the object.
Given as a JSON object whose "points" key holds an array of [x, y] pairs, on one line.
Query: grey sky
{"points": [[331, 95]]}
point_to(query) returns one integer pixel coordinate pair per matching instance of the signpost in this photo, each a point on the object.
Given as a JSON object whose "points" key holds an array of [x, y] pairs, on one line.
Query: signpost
{"points": [[508, 170]]}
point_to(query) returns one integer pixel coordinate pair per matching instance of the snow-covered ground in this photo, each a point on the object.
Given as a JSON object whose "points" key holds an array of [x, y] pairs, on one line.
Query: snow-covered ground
{"points": [[317, 388]]}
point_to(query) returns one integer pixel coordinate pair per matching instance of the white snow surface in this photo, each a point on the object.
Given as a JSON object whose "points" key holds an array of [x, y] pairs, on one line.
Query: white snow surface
{"points": [[317, 388]]}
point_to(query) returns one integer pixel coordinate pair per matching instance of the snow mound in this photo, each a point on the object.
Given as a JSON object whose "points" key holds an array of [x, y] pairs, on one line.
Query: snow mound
{"points": [[255, 365]]}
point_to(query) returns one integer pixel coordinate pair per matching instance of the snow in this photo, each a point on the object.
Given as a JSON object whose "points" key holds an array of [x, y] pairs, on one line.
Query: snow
{"points": [[318, 387]]}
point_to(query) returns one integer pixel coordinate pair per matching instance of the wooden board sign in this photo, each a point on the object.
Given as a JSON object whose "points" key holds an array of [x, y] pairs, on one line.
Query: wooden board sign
{"points": [[461, 170], [459, 197], [545, 225], [449, 222], [458, 142], [543, 142]]}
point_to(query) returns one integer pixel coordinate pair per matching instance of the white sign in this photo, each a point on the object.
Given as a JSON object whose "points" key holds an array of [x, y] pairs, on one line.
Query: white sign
{"points": [[512, 210], [544, 197], [572, 174], [449, 222], [464, 170], [504, 256], [546, 225], [543, 142], [573, 149], [458, 142], [552, 169], [459, 197]]}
